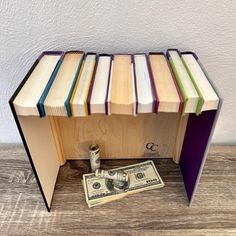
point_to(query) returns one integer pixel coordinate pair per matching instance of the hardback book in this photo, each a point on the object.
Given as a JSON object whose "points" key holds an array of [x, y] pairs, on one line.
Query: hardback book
{"points": [[186, 85], [208, 97], [27, 100], [57, 99], [78, 102], [145, 91], [122, 94], [169, 98], [98, 94]]}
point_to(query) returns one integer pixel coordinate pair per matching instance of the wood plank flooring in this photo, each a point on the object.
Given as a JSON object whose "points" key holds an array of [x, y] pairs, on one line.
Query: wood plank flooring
{"points": [[156, 212]]}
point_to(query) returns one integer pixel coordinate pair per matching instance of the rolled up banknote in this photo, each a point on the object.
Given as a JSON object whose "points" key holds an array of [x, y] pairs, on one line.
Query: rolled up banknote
{"points": [[111, 174], [142, 176], [94, 156]]}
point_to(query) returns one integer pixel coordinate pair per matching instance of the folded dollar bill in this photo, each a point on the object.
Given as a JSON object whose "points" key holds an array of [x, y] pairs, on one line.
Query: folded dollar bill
{"points": [[142, 176]]}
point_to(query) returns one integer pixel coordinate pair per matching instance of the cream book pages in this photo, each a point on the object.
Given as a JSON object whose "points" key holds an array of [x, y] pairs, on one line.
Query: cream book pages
{"points": [[100, 86], [190, 94], [27, 99], [168, 97], [122, 94], [80, 94], [40, 141], [210, 98], [145, 96], [59, 93]]}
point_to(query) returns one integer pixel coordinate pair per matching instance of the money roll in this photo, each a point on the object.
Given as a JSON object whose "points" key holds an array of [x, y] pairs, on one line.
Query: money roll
{"points": [[94, 156], [116, 175]]}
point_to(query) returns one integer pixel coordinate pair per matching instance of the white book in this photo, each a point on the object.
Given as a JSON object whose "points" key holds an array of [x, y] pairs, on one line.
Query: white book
{"points": [[209, 96], [27, 99], [80, 94], [145, 97], [188, 90], [99, 91]]}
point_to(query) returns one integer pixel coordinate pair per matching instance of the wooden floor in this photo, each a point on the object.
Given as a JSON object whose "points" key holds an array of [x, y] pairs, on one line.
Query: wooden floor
{"points": [[156, 212]]}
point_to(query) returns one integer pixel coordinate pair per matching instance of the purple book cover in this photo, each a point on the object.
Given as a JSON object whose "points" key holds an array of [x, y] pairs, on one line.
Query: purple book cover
{"points": [[196, 144]]}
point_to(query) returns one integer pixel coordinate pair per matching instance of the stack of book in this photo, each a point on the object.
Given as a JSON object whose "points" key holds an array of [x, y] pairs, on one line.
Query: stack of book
{"points": [[78, 84]]}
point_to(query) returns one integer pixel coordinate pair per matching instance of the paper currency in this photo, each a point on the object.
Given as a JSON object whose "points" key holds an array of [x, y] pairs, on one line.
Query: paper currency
{"points": [[142, 176], [94, 156], [110, 174]]}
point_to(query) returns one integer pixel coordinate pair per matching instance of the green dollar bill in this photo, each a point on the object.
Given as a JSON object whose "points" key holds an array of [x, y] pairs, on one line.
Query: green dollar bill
{"points": [[142, 176]]}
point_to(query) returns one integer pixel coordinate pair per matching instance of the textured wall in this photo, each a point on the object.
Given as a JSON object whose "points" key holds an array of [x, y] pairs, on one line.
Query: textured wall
{"points": [[207, 27]]}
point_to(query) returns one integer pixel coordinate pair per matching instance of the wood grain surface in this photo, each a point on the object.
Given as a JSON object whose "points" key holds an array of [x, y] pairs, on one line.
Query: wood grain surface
{"points": [[161, 129], [156, 212]]}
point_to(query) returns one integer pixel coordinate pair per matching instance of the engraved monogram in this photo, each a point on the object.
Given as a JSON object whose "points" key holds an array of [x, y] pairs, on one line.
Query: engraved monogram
{"points": [[152, 147]]}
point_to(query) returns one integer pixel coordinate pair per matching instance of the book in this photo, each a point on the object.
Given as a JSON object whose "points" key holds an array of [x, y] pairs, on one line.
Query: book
{"points": [[57, 99], [122, 93], [78, 102], [26, 101], [188, 90], [167, 92], [98, 94], [146, 96], [209, 98]]}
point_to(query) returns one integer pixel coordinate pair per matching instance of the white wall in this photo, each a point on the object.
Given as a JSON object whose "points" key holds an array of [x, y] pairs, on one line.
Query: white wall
{"points": [[207, 27]]}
